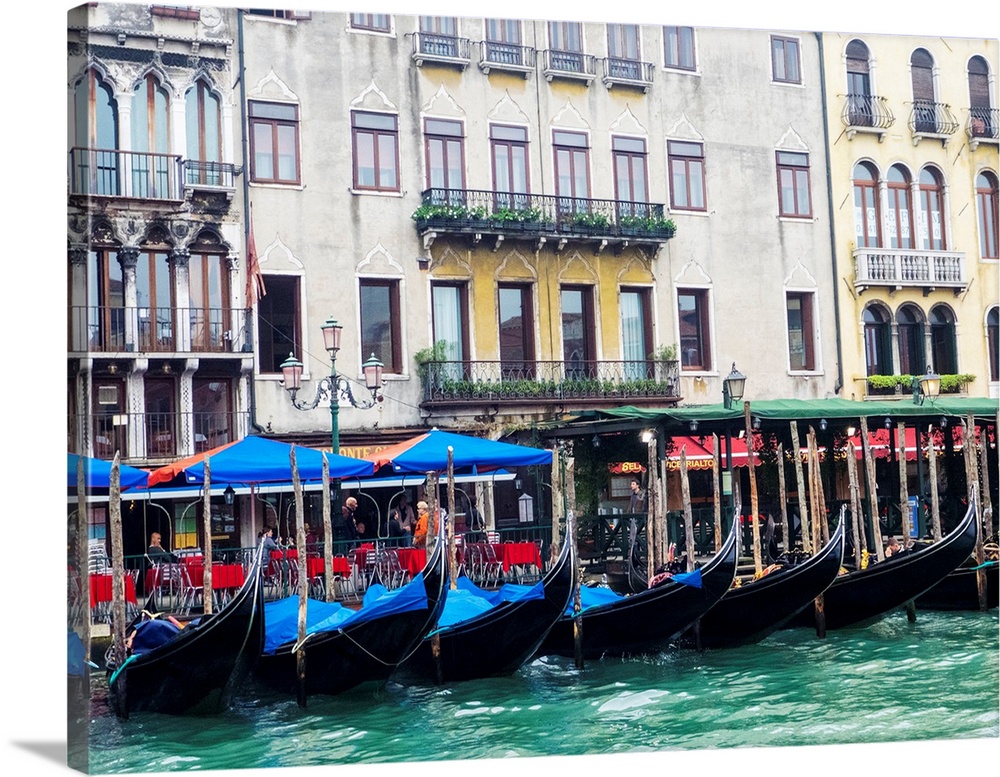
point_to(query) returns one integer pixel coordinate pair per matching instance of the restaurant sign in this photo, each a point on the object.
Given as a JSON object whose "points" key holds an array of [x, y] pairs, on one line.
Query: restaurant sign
{"points": [[626, 468]]}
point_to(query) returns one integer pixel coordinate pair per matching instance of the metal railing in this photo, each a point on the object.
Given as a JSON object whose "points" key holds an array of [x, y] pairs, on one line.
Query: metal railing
{"points": [[984, 123], [213, 175], [627, 71], [909, 267], [111, 329], [467, 210], [133, 174], [931, 118], [442, 48], [140, 436], [569, 64], [478, 381], [867, 110], [496, 54]]}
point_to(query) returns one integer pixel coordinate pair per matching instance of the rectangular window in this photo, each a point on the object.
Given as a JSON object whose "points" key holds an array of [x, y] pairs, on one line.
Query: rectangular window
{"points": [[450, 316], [445, 152], [438, 36], [211, 407], [160, 417], [686, 162], [154, 298], [566, 42], [509, 151], [503, 41], [637, 332], [693, 327], [375, 22], [380, 323], [274, 141], [577, 306], [517, 351], [105, 302], [376, 151], [678, 47], [623, 51], [110, 430], [208, 293], [572, 167], [801, 350], [629, 161], [794, 198], [785, 60], [278, 323]]}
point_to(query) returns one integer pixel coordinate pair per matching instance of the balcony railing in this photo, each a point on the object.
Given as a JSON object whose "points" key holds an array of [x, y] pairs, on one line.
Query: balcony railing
{"points": [[628, 72], [141, 436], [931, 119], [111, 329], [573, 65], [983, 126], [530, 216], [209, 175], [908, 268], [444, 49], [113, 173], [562, 381], [866, 113], [496, 55]]}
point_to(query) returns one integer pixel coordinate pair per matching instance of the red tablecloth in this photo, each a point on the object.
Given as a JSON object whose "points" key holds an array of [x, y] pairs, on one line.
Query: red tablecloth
{"points": [[518, 554], [223, 575], [413, 560], [317, 568], [101, 589]]}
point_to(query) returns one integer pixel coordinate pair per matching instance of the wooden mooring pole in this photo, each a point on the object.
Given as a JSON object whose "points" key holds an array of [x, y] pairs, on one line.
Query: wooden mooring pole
{"points": [[300, 544]]}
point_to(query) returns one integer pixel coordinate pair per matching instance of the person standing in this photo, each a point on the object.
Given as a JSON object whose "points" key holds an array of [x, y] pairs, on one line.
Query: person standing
{"points": [[405, 518], [349, 516], [420, 530], [637, 499]]}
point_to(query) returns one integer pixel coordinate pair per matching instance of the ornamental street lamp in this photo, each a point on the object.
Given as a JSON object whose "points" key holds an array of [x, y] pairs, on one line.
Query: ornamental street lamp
{"points": [[335, 387], [732, 392], [927, 385]]}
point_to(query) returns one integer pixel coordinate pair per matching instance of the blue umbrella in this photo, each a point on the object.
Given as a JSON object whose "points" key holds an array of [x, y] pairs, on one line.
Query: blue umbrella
{"points": [[261, 460], [429, 453], [97, 473]]}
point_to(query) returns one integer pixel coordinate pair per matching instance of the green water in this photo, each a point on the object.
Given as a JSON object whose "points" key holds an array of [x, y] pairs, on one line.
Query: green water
{"points": [[894, 681]]}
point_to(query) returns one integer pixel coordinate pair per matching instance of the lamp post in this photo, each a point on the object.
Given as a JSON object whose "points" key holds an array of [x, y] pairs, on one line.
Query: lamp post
{"points": [[334, 388], [924, 386], [732, 393]]}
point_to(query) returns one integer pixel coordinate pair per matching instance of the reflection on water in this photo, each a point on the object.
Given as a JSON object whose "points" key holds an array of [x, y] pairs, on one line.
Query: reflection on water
{"points": [[893, 681]]}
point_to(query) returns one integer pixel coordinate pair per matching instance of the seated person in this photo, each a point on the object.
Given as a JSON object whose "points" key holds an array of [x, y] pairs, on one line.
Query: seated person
{"points": [[157, 553]]}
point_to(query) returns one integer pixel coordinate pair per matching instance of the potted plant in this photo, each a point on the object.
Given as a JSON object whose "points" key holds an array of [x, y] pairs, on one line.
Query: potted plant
{"points": [[590, 223], [667, 368]]}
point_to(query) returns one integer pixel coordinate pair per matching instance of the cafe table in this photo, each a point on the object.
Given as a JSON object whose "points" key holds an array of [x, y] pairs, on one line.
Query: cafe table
{"points": [[102, 593]]}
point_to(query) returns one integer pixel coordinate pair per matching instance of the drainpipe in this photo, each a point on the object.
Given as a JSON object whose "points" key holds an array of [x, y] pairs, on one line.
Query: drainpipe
{"points": [[246, 206], [839, 385]]}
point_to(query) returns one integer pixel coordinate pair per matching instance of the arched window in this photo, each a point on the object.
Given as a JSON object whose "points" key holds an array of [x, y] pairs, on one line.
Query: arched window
{"points": [[993, 341], [922, 75], [932, 233], [208, 293], [859, 87], [900, 208], [878, 345], [943, 351], [150, 165], [867, 217], [982, 124], [203, 129], [987, 207], [910, 325], [95, 160]]}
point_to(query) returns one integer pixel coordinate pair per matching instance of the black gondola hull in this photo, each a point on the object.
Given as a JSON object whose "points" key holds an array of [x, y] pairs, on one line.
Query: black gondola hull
{"points": [[746, 615], [960, 591], [500, 641], [339, 660], [199, 671], [866, 596], [646, 622]]}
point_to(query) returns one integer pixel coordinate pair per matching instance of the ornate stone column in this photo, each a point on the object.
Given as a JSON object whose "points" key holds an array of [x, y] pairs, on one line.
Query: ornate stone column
{"points": [[128, 257], [79, 313], [180, 259], [135, 398]]}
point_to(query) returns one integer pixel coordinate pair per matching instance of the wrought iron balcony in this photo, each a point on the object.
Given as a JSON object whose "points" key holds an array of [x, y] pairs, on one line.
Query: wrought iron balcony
{"points": [[441, 49], [628, 72], [96, 172], [577, 381], [572, 65], [909, 268], [142, 436], [120, 329], [983, 126], [539, 217], [509, 57], [867, 113], [929, 119], [209, 175]]}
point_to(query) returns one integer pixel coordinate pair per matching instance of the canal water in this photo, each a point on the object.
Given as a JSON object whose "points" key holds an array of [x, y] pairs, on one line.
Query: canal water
{"points": [[895, 681]]}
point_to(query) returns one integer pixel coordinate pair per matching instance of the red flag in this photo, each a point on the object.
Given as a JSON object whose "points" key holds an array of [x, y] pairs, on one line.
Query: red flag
{"points": [[255, 279]]}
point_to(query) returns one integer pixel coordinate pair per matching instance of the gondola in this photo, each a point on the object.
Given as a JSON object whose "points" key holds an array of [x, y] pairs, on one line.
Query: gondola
{"points": [[198, 668], [345, 648], [501, 639], [648, 621], [960, 591], [749, 613], [865, 596]]}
